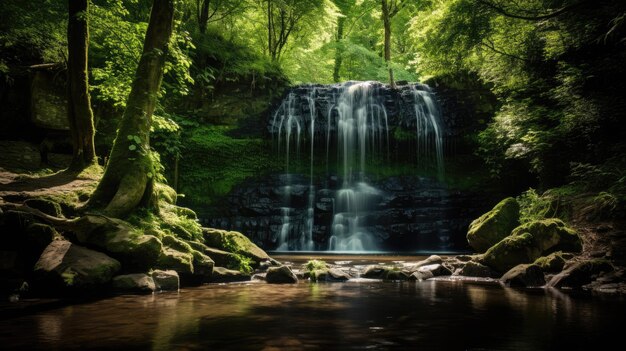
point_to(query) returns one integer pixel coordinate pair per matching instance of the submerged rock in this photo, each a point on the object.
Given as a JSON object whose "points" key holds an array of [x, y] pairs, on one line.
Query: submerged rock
{"points": [[165, 280], [493, 226], [224, 275], [280, 275], [66, 265], [134, 283], [524, 275], [386, 273]]}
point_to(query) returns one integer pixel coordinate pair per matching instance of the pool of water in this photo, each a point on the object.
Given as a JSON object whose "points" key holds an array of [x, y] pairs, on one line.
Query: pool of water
{"points": [[356, 315]]}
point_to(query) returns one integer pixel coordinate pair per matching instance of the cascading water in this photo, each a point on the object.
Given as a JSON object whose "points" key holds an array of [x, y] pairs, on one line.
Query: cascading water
{"points": [[354, 121]]}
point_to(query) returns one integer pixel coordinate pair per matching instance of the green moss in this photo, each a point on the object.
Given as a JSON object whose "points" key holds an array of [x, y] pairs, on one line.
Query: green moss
{"points": [[551, 234], [510, 252], [554, 262], [313, 265], [494, 225]]}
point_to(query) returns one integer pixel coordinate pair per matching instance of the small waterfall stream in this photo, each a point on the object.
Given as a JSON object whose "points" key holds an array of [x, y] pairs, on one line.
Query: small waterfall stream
{"points": [[352, 125]]}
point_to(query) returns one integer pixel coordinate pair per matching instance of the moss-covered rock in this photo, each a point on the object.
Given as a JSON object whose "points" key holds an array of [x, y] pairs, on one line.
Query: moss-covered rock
{"points": [[581, 273], [510, 252], [165, 193], [493, 226], [529, 242], [68, 266], [385, 273], [165, 280], [120, 240], [551, 234], [554, 262], [234, 242], [181, 262], [524, 275], [202, 265], [134, 283], [280, 275]]}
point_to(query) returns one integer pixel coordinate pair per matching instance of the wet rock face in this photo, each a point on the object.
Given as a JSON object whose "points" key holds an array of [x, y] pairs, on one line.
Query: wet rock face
{"points": [[411, 213]]}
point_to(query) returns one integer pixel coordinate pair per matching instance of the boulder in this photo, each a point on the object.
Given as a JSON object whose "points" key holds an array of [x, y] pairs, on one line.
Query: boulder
{"points": [[510, 252], [234, 242], [201, 264], [225, 275], [493, 226], [181, 262], [134, 283], [334, 275], [120, 240], [165, 280], [551, 234], [374, 272], [581, 273], [280, 275], [554, 262], [524, 275], [475, 269], [393, 274], [39, 235], [435, 269], [530, 241], [67, 265]]}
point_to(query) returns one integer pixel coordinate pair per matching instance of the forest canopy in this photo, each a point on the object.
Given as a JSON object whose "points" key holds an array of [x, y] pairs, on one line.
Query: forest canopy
{"points": [[555, 66]]}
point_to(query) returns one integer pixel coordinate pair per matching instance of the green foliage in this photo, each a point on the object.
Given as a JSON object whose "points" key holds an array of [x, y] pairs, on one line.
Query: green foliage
{"points": [[314, 265], [220, 162], [533, 206]]}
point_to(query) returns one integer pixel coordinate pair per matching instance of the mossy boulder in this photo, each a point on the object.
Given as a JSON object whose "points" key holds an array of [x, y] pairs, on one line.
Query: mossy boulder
{"points": [[493, 226], [581, 273], [234, 242], [181, 262], [134, 283], [529, 242], [280, 275], [165, 193], [510, 252], [120, 240], [68, 266], [385, 273], [554, 262], [179, 253], [551, 234], [524, 275]]}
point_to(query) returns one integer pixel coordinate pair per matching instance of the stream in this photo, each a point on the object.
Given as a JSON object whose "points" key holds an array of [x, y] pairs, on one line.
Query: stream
{"points": [[360, 314]]}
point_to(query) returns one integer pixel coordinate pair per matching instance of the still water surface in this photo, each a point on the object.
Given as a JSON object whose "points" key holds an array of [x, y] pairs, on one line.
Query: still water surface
{"points": [[356, 315]]}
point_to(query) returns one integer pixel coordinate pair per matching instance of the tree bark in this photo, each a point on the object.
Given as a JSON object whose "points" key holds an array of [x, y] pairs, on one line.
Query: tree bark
{"points": [[386, 14], [338, 50], [128, 180], [203, 14], [79, 113]]}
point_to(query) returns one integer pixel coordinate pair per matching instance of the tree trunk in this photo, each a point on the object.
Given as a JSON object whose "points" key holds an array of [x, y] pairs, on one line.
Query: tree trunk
{"points": [[203, 14], [79, 113], [128, 180], [386, 14], [338, 49]]}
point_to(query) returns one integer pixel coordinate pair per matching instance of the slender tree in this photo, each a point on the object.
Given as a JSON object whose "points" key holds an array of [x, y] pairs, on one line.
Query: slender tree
{"points": [[128, 181], [79, 113], [390, 9]]}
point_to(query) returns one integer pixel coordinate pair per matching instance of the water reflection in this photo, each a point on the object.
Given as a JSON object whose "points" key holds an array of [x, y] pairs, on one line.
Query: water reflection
{"points": [[342, 316]]}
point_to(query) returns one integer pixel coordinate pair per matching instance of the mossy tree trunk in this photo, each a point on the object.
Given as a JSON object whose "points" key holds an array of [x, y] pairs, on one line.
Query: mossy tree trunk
{"points": [[128, 180], [79, 113]]}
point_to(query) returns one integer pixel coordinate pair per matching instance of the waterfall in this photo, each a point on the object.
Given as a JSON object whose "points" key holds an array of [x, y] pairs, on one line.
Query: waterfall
{"points": [[352, 121]]}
